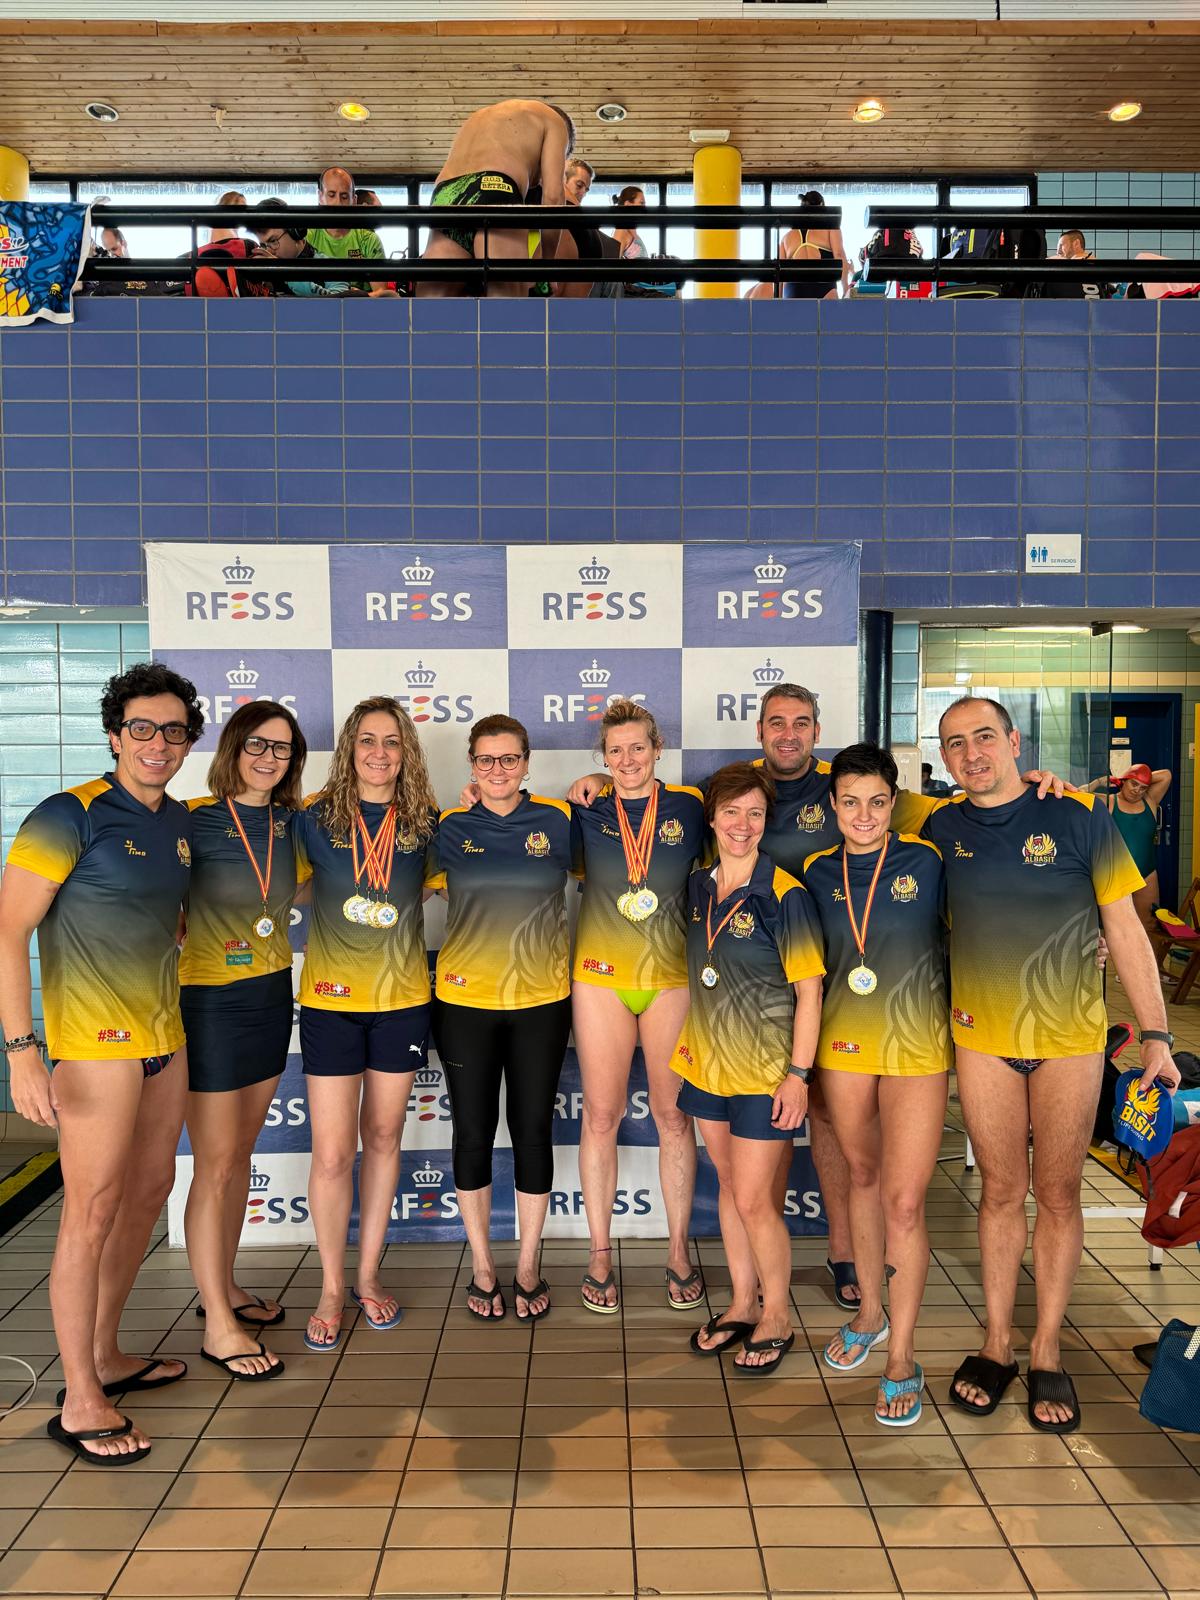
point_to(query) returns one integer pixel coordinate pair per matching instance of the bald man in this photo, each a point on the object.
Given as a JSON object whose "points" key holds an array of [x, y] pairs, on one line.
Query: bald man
{"points": [[335, 187]]}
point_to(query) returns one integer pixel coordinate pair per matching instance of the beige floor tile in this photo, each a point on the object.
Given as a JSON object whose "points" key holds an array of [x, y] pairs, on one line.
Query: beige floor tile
{"points": [[797, 1419], [791, 1451], [296, 1573], [574, 1455], [365, 1422], [449, 1528], [948, 1527], [686, 1570], [1123, 1450], [332, 1527], [1029, 1449], [570, 1572], [1150, 1525], [257, 1422], [239, 1455], [469, 1421], [1149, 1485], [459, 1489], [707, 1528], [957, 1572], [573, 1489], [441, 1572], [224, 1529], [806, 1488], [1103, 1569], [852, 1527], [574, 1528], [205, 1491], [678, 1422], [1174, 1568], [1059, 1525], [83, 1530], [353, 1455], [456, 1455], [807, 1570], [1012, 1486], [579, 1422], [341, 1489], [689, 1489], [31, 1488], [694, 1455], [892, 1487], [155, 1573]]}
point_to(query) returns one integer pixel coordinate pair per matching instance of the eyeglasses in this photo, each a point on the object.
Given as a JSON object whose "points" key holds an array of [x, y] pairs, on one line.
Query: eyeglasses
{"points": [[141, 729], [256, 746], [486, 763]]}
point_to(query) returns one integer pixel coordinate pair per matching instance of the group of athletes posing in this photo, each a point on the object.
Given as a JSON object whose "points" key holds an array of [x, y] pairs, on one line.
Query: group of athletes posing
{"points": [[800, 970]]}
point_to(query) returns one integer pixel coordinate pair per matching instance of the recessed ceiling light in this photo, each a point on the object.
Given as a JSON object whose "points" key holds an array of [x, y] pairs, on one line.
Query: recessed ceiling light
{"points": [[868, 111], [1124, 111], [101, 111], [352, 111], [709, 135], [611, 111]]}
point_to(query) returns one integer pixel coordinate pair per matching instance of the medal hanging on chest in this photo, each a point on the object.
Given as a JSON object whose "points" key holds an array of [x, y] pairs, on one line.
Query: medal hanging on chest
{"points": [[362, 909], [639, 901], [264, 925], [709, 973], [862, 980]]}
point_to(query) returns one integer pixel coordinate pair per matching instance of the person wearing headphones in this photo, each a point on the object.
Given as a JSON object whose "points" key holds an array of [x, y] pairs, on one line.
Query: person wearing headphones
{"points": [[284, 244]]}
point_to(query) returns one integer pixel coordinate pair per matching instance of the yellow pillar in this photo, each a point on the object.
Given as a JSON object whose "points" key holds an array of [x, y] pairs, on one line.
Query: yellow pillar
{"points": [[14, 174], [717, 180]]}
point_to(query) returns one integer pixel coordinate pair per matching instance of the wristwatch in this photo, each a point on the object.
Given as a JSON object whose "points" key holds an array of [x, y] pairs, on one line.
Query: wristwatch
{"points": [[1157, 1033], [805, 1074]]}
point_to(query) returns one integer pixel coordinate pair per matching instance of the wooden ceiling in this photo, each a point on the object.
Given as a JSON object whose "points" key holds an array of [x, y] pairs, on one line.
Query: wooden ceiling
{"points": [[960, 97]]}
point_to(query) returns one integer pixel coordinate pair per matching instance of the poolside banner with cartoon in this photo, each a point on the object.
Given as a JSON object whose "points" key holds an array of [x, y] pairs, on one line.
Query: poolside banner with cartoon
{"points": [[43, 247]]}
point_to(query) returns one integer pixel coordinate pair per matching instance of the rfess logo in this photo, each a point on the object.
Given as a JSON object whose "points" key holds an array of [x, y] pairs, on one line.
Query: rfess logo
{"points": [[590, 704], [424, 705], [594, 601], [264, 1207], [243, 689], [419, 601], [771, 598], [239, 602], [427, 1203], [742, 705], [428, 1101]]}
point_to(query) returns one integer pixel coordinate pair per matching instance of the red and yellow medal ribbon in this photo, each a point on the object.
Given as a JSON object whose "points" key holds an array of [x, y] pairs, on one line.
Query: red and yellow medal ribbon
{"points": [[708, 927], [860, 938], [263, 879], [638, 851], [375, 851]]}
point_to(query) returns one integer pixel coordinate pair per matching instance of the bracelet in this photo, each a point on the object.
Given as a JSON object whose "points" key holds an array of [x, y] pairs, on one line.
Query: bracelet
{"points": [[805, 1074], [1157, 1033], [23, 1042]]}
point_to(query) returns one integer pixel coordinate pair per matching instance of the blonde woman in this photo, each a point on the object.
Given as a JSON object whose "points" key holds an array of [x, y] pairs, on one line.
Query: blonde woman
{"points": [[231, 197], [366, 841]]}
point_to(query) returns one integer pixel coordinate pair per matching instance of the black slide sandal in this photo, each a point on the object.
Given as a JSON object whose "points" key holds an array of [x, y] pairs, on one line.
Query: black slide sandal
{"points": [[737, 1332], [136, 1381], [474, 1292], [225, 1363], [755, 1346], [76, 1443], [541, 1287], [844, 1277], [981, 1372], [1052, 1388]]}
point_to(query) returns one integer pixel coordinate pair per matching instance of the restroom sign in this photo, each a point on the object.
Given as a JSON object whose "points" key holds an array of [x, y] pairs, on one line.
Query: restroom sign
{"points": [[1053, 552]]}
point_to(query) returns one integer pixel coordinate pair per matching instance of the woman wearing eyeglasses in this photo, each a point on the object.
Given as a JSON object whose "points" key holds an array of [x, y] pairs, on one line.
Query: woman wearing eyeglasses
{"points": [[236, 998], [502, 1011]]}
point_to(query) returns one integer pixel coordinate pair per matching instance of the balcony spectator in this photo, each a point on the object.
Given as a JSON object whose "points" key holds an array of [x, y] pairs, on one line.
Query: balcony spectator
{"points": [[631, 198], [284, 244], [1072, 246], [814, 244], [231, 197], [115, 243], [335, 187]]}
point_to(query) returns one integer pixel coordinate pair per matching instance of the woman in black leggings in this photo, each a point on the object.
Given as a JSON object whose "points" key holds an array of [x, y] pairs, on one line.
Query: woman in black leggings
{"points": [[502, 1009]]}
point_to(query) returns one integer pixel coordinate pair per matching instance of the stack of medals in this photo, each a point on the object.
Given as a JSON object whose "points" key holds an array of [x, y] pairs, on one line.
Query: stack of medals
{"points": [[639, 901], [264, 927], [361, 908], [862, 980]]}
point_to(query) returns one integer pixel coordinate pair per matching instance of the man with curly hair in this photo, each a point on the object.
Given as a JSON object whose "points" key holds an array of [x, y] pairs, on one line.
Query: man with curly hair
{"points": [[100, 872]]}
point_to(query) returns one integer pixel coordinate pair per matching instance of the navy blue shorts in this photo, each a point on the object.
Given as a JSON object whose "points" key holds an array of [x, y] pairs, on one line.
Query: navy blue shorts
{"points": [[237, 1033], [748, 1115], [340, 1044]]}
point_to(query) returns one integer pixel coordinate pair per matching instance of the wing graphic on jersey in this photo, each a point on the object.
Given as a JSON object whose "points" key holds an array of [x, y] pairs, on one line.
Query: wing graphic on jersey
{"points": [[916, 1016], [530, 955], [1052, 996]]}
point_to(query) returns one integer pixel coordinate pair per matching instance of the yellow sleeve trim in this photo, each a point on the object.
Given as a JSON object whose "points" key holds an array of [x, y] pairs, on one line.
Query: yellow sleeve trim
{"points": [[85, 793], [915, 838], [823, 766], [547, 800], [811, 967], [436, 881], [782, 882], [453, 811], [1085, 800], [817, 854], [310, 800], [202, 800], [684, 788]]}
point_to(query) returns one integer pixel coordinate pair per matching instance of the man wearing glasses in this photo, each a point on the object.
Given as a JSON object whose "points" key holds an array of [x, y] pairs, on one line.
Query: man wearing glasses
{"points": [[101, 873]]}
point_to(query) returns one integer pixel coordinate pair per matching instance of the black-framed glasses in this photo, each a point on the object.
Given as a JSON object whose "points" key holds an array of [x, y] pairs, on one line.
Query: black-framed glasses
{"points": [[143, 730], [510, 763], [255, 745]]}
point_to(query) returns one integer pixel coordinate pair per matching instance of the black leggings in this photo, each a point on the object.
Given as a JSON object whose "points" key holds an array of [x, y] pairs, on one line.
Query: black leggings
{"points": [[525, 1048]]}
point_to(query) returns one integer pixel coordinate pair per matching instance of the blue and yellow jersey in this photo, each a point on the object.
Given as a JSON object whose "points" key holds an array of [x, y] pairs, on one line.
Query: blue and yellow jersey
{"points": [[110, 983], [349, 967], [1024, 881], [225, 903], [611, 951], [802, 820], [738, 1035], [901, 1029], [506, 942]]}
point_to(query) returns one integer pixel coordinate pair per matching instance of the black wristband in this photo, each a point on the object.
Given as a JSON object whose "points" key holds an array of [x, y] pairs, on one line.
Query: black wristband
{"points": [[805, 1074], [1157, 1033], [22, 1042]]}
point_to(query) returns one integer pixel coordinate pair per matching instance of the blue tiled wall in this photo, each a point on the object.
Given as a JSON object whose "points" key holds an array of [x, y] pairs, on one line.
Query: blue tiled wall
{"points": [[937, 434]]}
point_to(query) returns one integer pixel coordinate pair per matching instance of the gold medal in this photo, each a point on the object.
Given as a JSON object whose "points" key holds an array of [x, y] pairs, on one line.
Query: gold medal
{"points": [[862, 981], [709, 977], [265, 926], [639, 901], [623, 903], [361, 909], [384, 915], [354, 909]]}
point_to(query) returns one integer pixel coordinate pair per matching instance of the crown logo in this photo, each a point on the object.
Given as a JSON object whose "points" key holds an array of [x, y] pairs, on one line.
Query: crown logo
{"points": [[238, 571], [595, 573], [595, 677], [258, 1180], [428, 1177], [771, 571], [420, 676], [768, 673], [241, 677], [428, 1078], [418, 572]]}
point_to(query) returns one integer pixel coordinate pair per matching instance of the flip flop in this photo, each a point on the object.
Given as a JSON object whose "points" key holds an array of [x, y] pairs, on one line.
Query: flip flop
{"points": [[136, 1381], [737, 1332], [693, 1278], [75, 1442], [474, 1292], [362, 1301], [1056, 1388], [333, 1326], [981, 1372], [225, 1363], [601, 1286], [540, 1288], [863, 1343], [253, 1304], [753, 1346], [895, 1389], [844, 1276]]}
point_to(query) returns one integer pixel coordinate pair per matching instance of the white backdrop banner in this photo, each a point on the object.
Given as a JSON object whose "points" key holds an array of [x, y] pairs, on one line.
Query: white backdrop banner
{"points": [[549, 635]]}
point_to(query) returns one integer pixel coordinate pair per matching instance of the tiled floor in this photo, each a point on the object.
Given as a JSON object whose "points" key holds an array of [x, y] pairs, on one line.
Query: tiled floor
{"points": [[595, 1456]]}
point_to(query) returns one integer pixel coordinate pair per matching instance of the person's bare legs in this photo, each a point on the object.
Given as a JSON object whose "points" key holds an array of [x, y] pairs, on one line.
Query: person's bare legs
{"points": [[381, 1127], [97, 1105], [253, 1104], [753, 1164], [531, 1219], [475, 1207], [439, 248], [833, 1175], [739, 1257], [333, 1104], [659, 1027], [605, 1039], [1062, 1103], [503, 244], [148, 1182], [852, 1101]]}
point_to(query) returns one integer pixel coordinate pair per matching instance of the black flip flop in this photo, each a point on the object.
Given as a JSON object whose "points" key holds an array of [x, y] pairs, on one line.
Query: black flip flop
{"points": [[600, 1286], [754, 1346], [844, 1277], [694, 1279], [981, 1372], [225, 1363], [540, 1288], [737, 1332], [253, 1304], [1052, 1388], [76, 1443], [136, 1381], [474, 1292]]}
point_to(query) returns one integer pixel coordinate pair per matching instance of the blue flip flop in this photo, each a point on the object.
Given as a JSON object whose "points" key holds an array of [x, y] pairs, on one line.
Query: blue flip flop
{"points": [[895, 1389], [363, 1301], [861, 1343], [334, 1326]]}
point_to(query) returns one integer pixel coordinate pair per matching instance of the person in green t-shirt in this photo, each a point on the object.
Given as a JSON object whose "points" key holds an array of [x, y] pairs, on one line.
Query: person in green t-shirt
{"points": [[335, 187]]}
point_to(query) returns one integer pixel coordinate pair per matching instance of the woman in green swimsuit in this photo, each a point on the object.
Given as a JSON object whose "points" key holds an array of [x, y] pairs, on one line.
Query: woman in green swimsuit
{"points": [[1134, 808]]}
